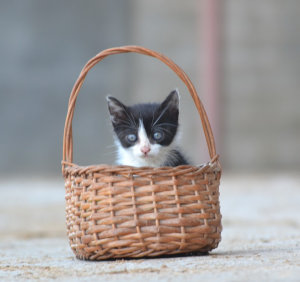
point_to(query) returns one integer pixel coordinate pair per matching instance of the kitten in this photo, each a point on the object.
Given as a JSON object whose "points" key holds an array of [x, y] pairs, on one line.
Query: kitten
{"points": [[146, 134]]}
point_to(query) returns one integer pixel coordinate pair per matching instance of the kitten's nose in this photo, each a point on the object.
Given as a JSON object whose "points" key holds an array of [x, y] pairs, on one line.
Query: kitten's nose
{"points": [[145, 149]]}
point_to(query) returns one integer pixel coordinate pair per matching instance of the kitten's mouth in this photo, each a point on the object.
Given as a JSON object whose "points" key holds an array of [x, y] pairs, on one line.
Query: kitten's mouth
{"points": [[145, 156]]}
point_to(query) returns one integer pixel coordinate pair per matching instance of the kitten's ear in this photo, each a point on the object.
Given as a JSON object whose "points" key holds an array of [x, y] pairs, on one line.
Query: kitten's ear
{"points": [[116, 109], [172, 100]]}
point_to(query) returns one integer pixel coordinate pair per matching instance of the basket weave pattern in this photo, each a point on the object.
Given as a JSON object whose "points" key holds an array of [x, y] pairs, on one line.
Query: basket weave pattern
{"points": [[122, 211]]}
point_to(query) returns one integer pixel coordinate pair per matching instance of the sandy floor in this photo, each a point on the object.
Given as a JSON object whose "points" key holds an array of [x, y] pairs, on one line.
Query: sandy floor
{"points": [[260, 241]]}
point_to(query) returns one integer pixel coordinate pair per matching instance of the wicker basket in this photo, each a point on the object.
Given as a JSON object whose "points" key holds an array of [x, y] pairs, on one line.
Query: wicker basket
{"points": [[130, 212]]}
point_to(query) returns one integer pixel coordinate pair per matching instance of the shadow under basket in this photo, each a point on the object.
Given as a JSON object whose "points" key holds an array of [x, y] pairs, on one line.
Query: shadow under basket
{"points": [[134, 212]]}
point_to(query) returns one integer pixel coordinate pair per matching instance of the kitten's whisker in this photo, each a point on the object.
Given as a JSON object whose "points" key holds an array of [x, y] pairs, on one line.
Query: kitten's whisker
{"points": [[126, 122], [119, 134], [152, 117], [108, 154], [170, 124], [175, 156], [124, 131], [126, 126], [164, 129], [133, 118], [162, 113], [130, 118], [110, 146]]}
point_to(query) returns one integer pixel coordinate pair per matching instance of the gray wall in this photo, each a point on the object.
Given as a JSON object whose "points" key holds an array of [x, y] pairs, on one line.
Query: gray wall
{"points": [[45, 44], [262, 84]]}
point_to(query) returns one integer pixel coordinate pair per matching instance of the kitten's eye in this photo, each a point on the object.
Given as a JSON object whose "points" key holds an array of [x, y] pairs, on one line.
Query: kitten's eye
{"points": [[131, 137], [157, 136]]}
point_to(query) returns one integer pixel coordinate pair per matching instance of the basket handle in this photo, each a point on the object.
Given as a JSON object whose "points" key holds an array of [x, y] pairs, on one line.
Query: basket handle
{"points": [[68, 138]]}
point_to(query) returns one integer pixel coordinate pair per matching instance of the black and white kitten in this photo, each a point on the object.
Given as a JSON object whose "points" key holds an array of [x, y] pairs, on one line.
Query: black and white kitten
{"points": [[147, 134]]}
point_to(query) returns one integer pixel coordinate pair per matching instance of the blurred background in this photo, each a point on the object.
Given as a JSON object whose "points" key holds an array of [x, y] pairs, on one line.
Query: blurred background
{"points": [[244, 60], [242, 56]]}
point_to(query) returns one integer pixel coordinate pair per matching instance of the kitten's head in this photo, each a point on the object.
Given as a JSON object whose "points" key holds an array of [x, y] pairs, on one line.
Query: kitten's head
{"points": [[145, 132]]}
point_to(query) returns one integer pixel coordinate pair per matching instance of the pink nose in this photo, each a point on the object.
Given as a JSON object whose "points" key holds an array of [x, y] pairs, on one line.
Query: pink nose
{"points": [[145, 149]]}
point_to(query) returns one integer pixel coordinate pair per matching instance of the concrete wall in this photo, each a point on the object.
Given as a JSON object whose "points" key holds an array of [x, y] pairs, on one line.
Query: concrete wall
{"points": [[261, 84], [44, 45]]}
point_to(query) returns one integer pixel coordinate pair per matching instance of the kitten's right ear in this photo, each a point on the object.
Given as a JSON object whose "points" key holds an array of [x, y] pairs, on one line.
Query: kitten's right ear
{"points": [[172, 102], [116, 109]]}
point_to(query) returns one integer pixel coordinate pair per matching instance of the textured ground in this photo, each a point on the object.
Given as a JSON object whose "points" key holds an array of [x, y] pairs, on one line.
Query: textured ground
{"points": [[260, 241]]}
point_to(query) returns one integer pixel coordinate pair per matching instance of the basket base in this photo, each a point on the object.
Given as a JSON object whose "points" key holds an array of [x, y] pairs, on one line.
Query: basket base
{"points": [[189, 254], [127, 212]]}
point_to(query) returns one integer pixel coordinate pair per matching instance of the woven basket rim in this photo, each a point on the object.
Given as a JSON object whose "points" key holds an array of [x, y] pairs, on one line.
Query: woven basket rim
{"points": [[145, 170]]}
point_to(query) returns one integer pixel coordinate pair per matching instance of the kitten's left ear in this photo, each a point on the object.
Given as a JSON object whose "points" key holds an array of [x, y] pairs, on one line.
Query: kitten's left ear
{"points": [[172, 100]]}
